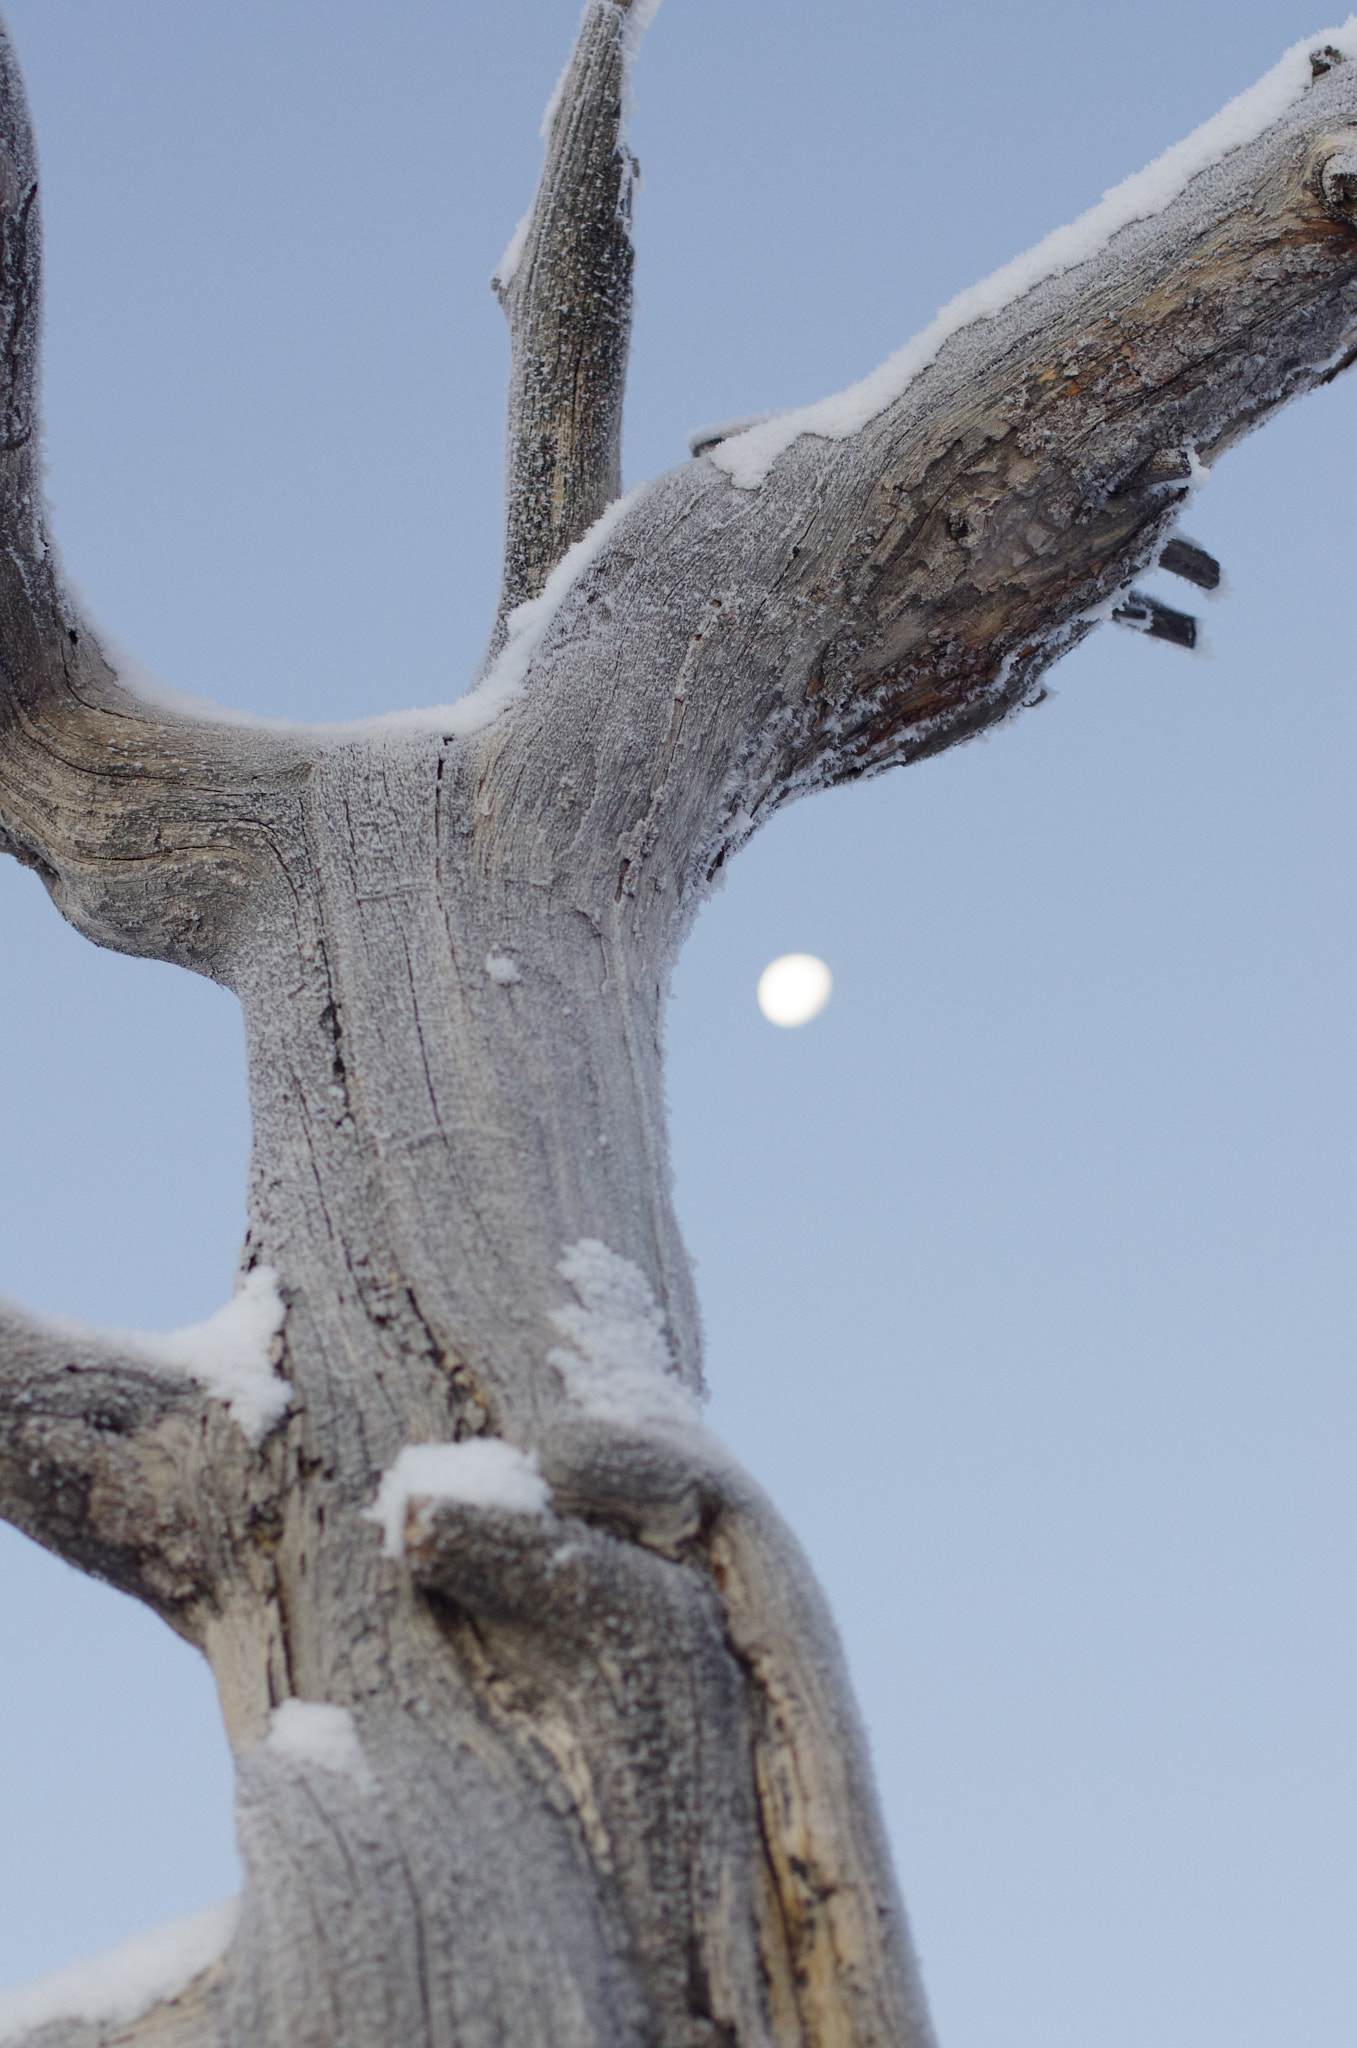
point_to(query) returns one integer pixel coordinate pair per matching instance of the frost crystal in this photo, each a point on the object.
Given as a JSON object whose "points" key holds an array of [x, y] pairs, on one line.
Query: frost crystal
{"points": [[506, 270], [619, 1366], [635, 23]]}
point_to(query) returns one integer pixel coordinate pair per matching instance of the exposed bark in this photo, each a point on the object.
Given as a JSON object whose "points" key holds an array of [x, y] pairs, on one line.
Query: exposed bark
{"points": [[611, 1789], [1183, 558], [1160, 621]]}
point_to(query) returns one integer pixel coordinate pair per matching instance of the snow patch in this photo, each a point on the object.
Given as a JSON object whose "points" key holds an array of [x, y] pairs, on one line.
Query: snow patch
{"points": [[527, 626], [142, 683], [119, 1986], [502, 969], [506, 270], [313, 1732], [229, 1354], [619, 1366], [748, 457], [703, 439], [485, 1472]]}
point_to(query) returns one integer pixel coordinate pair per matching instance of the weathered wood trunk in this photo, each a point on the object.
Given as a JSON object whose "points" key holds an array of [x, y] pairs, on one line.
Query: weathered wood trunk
{"points": [[594, 1808], [601, 1780]]}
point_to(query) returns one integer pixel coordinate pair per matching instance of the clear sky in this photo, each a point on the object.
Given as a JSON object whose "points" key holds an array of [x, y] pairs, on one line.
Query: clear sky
{"points": [[1027, 1266]]}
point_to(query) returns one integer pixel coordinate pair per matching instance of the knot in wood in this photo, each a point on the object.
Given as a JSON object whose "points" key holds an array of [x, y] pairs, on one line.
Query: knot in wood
{"points": [[1335, 177]]}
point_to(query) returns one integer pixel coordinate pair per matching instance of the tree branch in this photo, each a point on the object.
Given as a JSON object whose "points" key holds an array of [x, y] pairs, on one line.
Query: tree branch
{"points": [[851, 1963], [885, 593], [565, 285], [149, 828], [192, 2018], [101, 1461]]}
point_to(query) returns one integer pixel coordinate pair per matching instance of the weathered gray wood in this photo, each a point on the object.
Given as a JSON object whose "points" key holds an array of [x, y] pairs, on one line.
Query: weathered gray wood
{"points": [[611, 1787], [567, 294], [101, 1460]]}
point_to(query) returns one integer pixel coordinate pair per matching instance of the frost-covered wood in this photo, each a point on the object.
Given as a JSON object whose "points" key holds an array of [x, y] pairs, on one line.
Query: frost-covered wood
{"points": [[565, 285], [558, 1751], [163, 1988], [100, 1459]]}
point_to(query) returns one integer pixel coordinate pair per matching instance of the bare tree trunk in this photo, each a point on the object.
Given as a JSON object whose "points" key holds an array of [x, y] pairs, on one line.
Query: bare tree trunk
{"points": [[601, 1780]]}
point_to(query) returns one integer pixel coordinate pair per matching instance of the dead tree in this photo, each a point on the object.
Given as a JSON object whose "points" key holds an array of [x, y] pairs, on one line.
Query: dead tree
{"points": [[591, 1775]]}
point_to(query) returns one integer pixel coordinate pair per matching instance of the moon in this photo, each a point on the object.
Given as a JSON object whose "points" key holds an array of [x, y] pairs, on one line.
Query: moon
{"points": [[794, 988]]}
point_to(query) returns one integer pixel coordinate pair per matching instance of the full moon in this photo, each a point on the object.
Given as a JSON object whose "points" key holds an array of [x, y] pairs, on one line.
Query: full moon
{"points": [[794, 988]]}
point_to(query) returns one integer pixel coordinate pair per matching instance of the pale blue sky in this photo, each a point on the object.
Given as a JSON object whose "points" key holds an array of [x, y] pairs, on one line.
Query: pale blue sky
{"points": [[1027, 1267]]}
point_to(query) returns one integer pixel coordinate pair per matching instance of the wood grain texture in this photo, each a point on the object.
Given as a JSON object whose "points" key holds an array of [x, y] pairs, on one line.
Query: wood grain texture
{"points": [[101, 1461], [568, 304], [613, 1788]]}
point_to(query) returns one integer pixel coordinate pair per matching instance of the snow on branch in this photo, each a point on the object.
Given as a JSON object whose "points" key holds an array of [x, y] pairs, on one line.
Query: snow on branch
{"points": [[565, 282], [123, 1985], [524, 630], [108, 1443], [747, 456], [231, 1354], [817, 599], [315, 1732]]}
